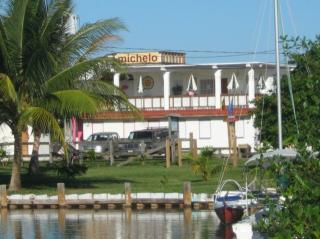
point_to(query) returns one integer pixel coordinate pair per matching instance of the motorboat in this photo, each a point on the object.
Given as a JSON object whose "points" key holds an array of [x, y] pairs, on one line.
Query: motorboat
{"points": [[230, 206]]}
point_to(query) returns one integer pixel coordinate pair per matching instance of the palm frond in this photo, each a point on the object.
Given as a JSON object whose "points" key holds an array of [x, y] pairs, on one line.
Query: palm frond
{"points": [[91, 36], [43, 120], [70, 103], [4, 54], [15, 26], [113, 97], [82, 70], [97, 45], [57, 18], [7, 90]]}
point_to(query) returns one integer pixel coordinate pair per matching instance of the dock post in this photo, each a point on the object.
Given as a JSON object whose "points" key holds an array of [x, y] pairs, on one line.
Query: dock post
{"points": [[168, 153], [191, 142], [127, 195], [195, 149], [3, 196], [180, 152], [111, 150], [61, 195], [187, 195], [50, 153]]}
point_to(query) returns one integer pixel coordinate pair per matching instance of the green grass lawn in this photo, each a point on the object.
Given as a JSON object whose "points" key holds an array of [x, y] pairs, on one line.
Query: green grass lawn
{"points": [[102, 178]]}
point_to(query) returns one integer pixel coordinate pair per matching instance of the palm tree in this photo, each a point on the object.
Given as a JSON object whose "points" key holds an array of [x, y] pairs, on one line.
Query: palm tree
{"points": [[45, 70]]}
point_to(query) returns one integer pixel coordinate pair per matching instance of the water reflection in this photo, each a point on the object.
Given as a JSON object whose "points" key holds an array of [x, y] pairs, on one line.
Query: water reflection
{"points": [[111, 224], [225, 232]]}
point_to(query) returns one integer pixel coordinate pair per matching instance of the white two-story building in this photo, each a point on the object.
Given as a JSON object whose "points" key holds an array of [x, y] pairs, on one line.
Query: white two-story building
{"points": [[160, 84]]}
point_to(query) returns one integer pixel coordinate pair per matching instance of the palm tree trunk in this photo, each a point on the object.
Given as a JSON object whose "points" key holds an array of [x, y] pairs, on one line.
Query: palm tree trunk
{"points": [[15, 182], [34, 161]]}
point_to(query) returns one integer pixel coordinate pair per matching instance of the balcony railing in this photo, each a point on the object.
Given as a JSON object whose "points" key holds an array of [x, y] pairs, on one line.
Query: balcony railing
{"points": [[188, 102], [148, 103], [196, 102], [240, 101]]}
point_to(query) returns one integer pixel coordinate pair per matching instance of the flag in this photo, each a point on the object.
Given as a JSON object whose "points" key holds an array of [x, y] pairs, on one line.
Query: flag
{"points": [[233, 84], [192, 86], [261, 83], [230, 109], [140, 86]]}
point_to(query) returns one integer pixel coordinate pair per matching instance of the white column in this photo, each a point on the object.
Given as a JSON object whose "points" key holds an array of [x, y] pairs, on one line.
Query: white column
{"points": [[116, 79], [217, 82], [251, 87], [166, 89]]}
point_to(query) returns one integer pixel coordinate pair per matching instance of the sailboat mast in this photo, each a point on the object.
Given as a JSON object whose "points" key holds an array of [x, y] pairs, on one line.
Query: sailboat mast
{"points": [[276, 21]]}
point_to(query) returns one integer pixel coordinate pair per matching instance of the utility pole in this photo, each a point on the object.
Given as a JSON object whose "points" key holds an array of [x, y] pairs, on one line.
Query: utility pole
{"points": [[276, 20]]}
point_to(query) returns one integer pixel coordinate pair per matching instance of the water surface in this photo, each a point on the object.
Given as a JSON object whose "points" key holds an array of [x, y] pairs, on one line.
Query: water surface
{"points": [[128, 223]]}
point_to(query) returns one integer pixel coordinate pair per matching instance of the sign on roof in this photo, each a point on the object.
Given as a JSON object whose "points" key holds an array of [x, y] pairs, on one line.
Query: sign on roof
{"points": [[151, 57]]}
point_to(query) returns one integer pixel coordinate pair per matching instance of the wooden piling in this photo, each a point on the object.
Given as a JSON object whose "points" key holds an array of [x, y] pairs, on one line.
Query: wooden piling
{"points": [[62, 219], [61, 195], [111, 152], [154, 206], [127, 195], [232, 143], [196, 206], [191, 142], [111, 206], [168, 153], [187, 195], [128, 216], [180, 152], [3, 196], [195, 149], [140, 206], [187, 221]]}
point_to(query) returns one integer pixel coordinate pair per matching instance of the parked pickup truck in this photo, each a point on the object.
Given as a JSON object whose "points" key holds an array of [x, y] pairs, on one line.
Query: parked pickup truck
{"points": [[150, 140]]}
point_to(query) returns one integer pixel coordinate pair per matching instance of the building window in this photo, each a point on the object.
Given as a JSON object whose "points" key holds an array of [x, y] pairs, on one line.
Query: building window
{"points": [[240, 129], [206, 87], [204, 129]]}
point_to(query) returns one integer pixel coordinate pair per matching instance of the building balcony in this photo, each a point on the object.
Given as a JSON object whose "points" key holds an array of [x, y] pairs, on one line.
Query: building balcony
{"points": [[149, 103]]}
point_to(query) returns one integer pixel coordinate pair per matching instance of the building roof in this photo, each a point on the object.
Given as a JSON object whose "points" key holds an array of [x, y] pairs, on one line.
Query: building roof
{"points": [[232, 65]]}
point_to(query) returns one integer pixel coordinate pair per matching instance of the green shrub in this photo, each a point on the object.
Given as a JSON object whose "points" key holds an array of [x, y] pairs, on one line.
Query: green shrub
{"points": [[2, 153], [201, 165], [299, 183], [91, 155], [70, 170]]}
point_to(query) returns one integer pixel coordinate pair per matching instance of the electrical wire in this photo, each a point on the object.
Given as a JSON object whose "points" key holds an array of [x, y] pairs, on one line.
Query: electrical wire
{"points": [[286, 55], [190, 51]]}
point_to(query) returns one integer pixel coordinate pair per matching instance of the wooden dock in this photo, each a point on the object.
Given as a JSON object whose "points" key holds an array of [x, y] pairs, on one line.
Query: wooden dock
{"points": [[138, 201]]}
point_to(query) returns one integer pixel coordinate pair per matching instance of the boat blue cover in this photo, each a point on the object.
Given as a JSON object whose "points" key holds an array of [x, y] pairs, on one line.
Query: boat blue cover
{"points": [[228, 198]]}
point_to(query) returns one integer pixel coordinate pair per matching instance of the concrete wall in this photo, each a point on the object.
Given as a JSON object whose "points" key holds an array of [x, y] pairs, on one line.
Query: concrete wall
{"points": [[208, 131]]}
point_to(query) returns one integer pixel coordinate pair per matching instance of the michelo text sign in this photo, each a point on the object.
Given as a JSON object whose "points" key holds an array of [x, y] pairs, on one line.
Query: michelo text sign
{"points": [[151, 57]]}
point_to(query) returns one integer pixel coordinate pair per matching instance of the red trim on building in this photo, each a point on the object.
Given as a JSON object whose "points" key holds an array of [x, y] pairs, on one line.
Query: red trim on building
{"points": [[160, 114]]}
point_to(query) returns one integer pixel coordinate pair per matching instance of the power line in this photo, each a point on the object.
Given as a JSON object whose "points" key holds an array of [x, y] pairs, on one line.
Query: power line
{"points": [[192, 51]]}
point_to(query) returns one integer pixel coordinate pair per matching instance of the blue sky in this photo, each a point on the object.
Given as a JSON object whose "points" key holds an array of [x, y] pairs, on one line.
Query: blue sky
{"points": [[204, 25]]}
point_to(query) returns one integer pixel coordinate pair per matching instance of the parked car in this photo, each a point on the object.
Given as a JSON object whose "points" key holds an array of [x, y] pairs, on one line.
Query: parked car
{"points": [[140, 141], [99, 142]]}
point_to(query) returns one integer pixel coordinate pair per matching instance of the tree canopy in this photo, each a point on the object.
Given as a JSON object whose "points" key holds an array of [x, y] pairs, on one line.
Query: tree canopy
{"points": [[47, 72], [305, 81]]}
